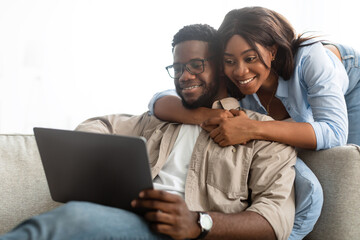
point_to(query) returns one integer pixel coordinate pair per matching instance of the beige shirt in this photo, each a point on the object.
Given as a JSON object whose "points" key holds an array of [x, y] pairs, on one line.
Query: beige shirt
{"points": [[256, 177]]}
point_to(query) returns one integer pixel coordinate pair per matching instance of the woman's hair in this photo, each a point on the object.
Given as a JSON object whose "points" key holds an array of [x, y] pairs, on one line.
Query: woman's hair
{"points": [[267, 28]]}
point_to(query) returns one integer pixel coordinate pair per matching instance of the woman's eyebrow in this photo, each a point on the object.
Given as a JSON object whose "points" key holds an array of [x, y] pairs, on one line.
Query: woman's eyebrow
{"points": [[248, 50]]}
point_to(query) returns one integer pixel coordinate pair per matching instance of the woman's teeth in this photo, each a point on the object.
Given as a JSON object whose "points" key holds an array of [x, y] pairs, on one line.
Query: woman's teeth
{"points": [[246, 81]]}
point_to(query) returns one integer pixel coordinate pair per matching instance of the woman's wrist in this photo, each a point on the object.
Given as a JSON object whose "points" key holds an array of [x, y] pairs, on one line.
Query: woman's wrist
{"points": [[259, 131], [200, 114]]}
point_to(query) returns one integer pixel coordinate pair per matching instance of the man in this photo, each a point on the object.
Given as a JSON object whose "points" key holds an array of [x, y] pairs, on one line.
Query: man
{"points": [[201, 189]]}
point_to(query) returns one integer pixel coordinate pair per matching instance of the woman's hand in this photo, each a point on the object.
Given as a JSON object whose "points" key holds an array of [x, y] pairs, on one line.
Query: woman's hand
{"points": [[238, 129], [209, 113]]}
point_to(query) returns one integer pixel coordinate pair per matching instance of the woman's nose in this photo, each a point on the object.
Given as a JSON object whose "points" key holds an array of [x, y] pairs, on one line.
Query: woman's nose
{"points": [[241, 69]]}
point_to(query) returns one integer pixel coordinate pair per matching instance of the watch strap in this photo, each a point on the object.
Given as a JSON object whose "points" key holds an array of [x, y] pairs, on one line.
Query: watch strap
{"points": [[202, 234]]}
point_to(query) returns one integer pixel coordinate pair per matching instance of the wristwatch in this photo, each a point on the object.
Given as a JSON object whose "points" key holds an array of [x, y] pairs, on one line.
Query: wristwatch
{"points": [[206, 223]]}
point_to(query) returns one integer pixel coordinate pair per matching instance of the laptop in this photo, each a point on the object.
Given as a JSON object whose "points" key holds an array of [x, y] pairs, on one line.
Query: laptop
{"points": [[105, 169]]}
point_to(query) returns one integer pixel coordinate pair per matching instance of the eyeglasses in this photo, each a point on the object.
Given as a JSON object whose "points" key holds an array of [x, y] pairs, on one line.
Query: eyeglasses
{"points": [[194, 67]]}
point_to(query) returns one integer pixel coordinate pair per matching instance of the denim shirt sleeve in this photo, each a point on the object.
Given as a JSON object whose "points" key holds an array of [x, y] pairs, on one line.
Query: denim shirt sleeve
{"points": [[326, 82], [157, 96]]}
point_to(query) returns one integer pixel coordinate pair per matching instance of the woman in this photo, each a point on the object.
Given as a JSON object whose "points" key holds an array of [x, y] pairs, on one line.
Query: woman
{"points": [[283, 76]]}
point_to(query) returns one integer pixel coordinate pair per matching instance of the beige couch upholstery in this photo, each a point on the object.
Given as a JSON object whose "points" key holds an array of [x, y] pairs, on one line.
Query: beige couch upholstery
{"points": [[338, 171], [24, 191], [23, 187]]}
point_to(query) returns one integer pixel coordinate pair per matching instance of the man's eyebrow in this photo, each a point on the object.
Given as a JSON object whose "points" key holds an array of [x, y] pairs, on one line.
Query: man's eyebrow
{"points": [[197, 58], [248, 50]]}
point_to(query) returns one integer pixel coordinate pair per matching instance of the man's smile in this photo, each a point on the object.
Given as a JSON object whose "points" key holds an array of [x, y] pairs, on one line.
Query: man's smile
{"points": [[190, 87]]}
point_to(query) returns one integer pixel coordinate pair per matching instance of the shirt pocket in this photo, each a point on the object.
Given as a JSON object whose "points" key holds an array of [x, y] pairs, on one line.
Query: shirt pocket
{"points": [[228, 173]]}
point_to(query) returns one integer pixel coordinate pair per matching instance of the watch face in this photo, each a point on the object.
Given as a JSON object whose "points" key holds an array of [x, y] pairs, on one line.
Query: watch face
{"points": [[206, 221]]}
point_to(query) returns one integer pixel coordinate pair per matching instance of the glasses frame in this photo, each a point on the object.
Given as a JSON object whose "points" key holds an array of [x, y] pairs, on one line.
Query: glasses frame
{"points": [[185, 67]]}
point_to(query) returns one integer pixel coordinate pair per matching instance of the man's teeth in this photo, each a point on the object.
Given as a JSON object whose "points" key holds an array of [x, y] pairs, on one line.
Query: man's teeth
{"points": [[246, 81], [187, 88]]}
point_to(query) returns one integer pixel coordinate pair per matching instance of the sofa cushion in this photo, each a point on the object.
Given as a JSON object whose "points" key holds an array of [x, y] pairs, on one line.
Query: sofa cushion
{"points": [[23, 187], [338, 170], [24, 191]]}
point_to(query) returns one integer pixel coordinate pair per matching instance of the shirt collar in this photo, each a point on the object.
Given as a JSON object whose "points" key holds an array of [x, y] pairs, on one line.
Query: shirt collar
{"points": [[282, 90], [226, 103]]}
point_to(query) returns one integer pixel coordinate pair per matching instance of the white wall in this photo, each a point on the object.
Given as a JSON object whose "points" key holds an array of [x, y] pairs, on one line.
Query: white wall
{"points": [[62, 61]]}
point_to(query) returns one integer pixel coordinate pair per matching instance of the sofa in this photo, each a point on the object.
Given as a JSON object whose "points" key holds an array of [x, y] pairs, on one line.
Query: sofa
{"points": [[24, 191]]}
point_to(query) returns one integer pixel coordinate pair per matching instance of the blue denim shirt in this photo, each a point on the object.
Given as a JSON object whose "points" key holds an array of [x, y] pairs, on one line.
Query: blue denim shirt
{"points": [[314, 94]]}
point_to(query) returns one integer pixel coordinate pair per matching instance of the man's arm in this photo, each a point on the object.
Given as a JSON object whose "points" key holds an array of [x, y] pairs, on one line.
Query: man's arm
{"points": [[243, 225], [121, 124], [271, 182], [173, 218]]}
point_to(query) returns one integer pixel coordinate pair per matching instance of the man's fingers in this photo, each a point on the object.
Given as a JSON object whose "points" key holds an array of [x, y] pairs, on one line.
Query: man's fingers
{"points": [[159, 216], [159, 195], [164, 229], [170, 230], [153, 204]]}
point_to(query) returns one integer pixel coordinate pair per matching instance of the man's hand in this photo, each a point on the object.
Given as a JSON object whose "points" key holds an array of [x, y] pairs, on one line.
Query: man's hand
{"points": [[170, 216], [230, 131]]}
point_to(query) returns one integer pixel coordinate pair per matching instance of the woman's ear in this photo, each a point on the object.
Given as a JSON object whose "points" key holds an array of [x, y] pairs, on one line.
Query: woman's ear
{"points": [[273, 50]]}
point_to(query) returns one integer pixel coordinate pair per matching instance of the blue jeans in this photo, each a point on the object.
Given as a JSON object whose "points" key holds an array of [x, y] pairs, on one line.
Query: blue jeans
{"points": [[83, 220], [308, 201], [351, 59]]}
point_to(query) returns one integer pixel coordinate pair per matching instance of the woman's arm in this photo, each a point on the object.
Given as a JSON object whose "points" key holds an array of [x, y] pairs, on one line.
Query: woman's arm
{"points": [[241, 129], [170, 108], [296, 134], [167, 106], [316, 94], [326, 82]]}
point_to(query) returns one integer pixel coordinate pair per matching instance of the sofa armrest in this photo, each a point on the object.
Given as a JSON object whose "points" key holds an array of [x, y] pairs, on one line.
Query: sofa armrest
{"points": [[338, 170], [23, 187]]}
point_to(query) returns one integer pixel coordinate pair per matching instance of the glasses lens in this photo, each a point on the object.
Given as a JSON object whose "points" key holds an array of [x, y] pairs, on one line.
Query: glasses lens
{"points": [[175, 70], [195, 66]]}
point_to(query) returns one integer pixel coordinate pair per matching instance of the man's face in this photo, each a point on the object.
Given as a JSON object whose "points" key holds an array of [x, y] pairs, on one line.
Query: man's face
{"points": [[196, 90]]}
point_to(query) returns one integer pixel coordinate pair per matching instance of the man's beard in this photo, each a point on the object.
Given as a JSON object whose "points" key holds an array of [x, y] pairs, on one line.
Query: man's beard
{"points": [[205, 100]]}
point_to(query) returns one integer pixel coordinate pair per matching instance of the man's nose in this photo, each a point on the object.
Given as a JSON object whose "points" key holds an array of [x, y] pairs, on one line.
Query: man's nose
{"points": [[186, 75]]}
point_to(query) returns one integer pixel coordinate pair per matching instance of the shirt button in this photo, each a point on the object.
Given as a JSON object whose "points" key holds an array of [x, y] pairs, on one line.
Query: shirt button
{"points": [[233, 150]]}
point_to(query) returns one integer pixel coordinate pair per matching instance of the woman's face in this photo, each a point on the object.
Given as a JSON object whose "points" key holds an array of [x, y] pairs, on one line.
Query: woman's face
{"points": [[244, 67]]}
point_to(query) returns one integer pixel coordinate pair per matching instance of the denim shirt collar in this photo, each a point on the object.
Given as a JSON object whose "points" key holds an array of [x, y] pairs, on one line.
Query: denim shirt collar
{"points": [[283, 89], [253, 102]]}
